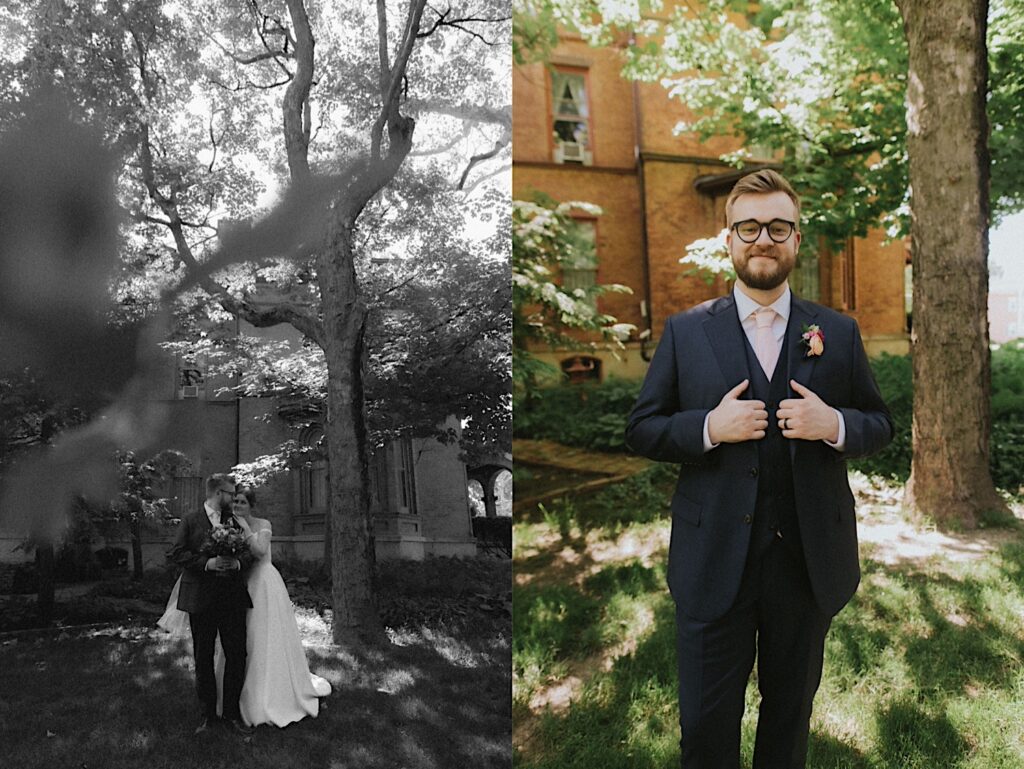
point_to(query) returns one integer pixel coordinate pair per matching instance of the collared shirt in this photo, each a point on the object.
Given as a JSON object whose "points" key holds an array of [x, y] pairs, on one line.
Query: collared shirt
{"points": [[213, 515], [745, 309]]}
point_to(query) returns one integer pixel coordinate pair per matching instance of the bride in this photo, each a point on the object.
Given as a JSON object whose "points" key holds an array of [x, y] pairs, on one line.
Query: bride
{"points": [[278, 689]]}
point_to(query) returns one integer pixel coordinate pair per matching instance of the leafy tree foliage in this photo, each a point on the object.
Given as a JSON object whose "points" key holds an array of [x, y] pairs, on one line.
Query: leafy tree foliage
{"points": [[546, 240], [262, 151]]}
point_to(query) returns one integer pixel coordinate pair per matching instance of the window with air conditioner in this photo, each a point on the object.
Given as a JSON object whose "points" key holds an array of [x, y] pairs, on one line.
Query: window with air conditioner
{"points": [[191, 379], [570, 117]]}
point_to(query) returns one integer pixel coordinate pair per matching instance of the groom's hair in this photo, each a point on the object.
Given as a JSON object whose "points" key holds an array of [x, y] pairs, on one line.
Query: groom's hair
{"points": [[761, 183], [217, 480]]}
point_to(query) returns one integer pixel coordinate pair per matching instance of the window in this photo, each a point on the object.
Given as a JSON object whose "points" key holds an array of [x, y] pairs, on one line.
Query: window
{"points": [[406, 482], [191, 378], [393, 479], [184, 494], [314, 491], [582, 368], [804, 279], [570, 112], [1012, 306], [580, 271]]}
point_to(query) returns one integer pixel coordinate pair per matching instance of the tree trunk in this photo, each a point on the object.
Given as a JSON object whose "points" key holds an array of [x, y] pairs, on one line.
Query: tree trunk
{"points": [[351, 530], [950, 481], [44, 572]]}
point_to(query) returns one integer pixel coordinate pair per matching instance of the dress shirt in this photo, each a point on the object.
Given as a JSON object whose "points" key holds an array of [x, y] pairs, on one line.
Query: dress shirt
{"points": [[213, 515], [745, 309]]}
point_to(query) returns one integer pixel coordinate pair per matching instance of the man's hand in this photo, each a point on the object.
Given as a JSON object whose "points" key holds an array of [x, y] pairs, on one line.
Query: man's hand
{"points": [[735, 420], [223, 563], [809, 417]]}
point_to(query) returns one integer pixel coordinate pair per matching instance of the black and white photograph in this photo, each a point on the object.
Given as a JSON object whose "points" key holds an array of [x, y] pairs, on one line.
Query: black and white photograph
{"points": [[255, 384]]}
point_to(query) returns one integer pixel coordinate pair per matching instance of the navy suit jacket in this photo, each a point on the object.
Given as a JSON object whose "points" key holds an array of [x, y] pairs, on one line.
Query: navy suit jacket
{"points": [[202, 590], [699, 358]]}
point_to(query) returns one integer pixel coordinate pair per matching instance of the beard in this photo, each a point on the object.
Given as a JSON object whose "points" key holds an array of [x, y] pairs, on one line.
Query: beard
{"points": [[225, 507], [763, 280]]}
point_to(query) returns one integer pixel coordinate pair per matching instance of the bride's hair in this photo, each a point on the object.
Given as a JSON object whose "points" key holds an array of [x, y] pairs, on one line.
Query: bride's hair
{"points": [[248, 493]]}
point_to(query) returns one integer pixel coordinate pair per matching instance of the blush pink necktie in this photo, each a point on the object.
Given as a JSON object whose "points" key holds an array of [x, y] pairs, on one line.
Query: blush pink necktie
{"points": [[765, 346]]}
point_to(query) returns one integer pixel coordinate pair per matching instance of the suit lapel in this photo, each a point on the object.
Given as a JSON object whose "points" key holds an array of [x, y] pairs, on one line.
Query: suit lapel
{"points": [[800, 364], [725, 334]]}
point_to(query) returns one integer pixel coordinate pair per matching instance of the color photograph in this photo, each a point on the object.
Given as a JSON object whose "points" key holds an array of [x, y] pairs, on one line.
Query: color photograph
{"points": [[768, 376]]}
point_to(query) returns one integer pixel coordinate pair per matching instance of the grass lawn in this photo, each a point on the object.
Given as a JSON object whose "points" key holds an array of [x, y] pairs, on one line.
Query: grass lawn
{"points": [[923, 669], [123, 697]]}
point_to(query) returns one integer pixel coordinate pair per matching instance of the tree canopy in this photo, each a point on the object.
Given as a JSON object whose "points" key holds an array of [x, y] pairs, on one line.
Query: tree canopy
{"points": [[816, 85]]}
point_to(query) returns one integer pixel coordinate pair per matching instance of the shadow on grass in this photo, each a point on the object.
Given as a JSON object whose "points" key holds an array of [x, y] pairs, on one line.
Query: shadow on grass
{"points": [[911, 738], [128, 701], [826, 752], [947, 634], [942, 628]]}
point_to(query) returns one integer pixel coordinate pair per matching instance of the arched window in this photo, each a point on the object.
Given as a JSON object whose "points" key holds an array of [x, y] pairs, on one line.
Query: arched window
{"points": [[476, 499], [503, 493]]}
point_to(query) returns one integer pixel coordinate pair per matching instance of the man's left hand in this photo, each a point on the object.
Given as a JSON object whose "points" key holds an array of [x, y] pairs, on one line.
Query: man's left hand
{"points": [[809, 417]]}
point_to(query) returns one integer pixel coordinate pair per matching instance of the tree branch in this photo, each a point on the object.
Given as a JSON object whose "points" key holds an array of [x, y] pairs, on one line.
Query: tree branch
{"points": [[485, 177], [498, 147], [253, 58], [442, 20], [391, 81], [479, 113], [295, 106]]}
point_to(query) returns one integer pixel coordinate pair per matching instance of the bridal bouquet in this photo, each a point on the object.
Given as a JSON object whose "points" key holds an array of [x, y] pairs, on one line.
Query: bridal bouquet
{"points": [[225, 540]]}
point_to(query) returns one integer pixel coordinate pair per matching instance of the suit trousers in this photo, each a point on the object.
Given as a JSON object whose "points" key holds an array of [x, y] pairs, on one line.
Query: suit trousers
{"points": [[776, 616], [229, 622]]}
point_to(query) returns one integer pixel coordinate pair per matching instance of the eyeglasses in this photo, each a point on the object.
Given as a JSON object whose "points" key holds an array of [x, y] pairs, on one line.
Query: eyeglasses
{"points": [[749, 230]]}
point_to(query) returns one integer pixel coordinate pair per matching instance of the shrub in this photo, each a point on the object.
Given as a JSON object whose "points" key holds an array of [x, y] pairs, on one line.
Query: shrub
{"points": [[641, 498], [894, 375], [493, 533], [593, 416]]}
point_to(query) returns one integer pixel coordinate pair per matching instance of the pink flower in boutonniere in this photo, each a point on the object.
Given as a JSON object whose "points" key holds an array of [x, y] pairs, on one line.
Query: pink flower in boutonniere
{"points": [[813, 339]]}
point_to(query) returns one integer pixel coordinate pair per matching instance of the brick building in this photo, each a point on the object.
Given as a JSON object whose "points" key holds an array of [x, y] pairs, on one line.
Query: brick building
{"points": [[420, 498], [583, 132], [1006, 315]]}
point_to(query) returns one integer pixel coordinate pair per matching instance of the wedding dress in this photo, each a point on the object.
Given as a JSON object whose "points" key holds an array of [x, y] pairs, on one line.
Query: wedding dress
{"points": [[279, 689]]}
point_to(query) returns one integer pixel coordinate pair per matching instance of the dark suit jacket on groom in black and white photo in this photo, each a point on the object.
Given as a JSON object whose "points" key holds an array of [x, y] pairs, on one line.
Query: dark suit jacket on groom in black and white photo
{"points": [[216, 600]]}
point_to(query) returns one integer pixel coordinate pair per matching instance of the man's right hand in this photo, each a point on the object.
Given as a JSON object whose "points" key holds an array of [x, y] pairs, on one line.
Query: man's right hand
{"points": [[735, 420], [222, 563]]}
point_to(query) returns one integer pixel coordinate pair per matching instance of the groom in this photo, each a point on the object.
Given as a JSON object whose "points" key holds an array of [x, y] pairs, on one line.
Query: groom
{"points": [[760, 397], [213, 593]]}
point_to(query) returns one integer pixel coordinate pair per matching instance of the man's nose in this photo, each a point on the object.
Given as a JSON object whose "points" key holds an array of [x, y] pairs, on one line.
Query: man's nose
{"points": [[763, 238]]}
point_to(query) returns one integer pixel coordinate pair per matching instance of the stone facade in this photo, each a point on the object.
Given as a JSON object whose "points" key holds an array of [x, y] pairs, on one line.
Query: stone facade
{"points": [[420, 502]]}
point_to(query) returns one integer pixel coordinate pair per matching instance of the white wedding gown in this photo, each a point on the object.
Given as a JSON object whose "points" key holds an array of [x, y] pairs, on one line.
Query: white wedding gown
{"points": [[278, 689]]}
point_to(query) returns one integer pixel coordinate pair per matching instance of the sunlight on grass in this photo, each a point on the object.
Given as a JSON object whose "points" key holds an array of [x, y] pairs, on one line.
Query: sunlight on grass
{"points": [[123, 697], [924, 669]]}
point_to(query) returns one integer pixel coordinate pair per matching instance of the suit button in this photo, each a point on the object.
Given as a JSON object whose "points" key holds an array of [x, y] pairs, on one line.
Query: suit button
{"points": [[753, 472], [747, 519]]}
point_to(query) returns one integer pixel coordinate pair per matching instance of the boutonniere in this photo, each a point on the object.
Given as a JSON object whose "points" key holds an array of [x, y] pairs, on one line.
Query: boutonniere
{"points": [[813, 339]]}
